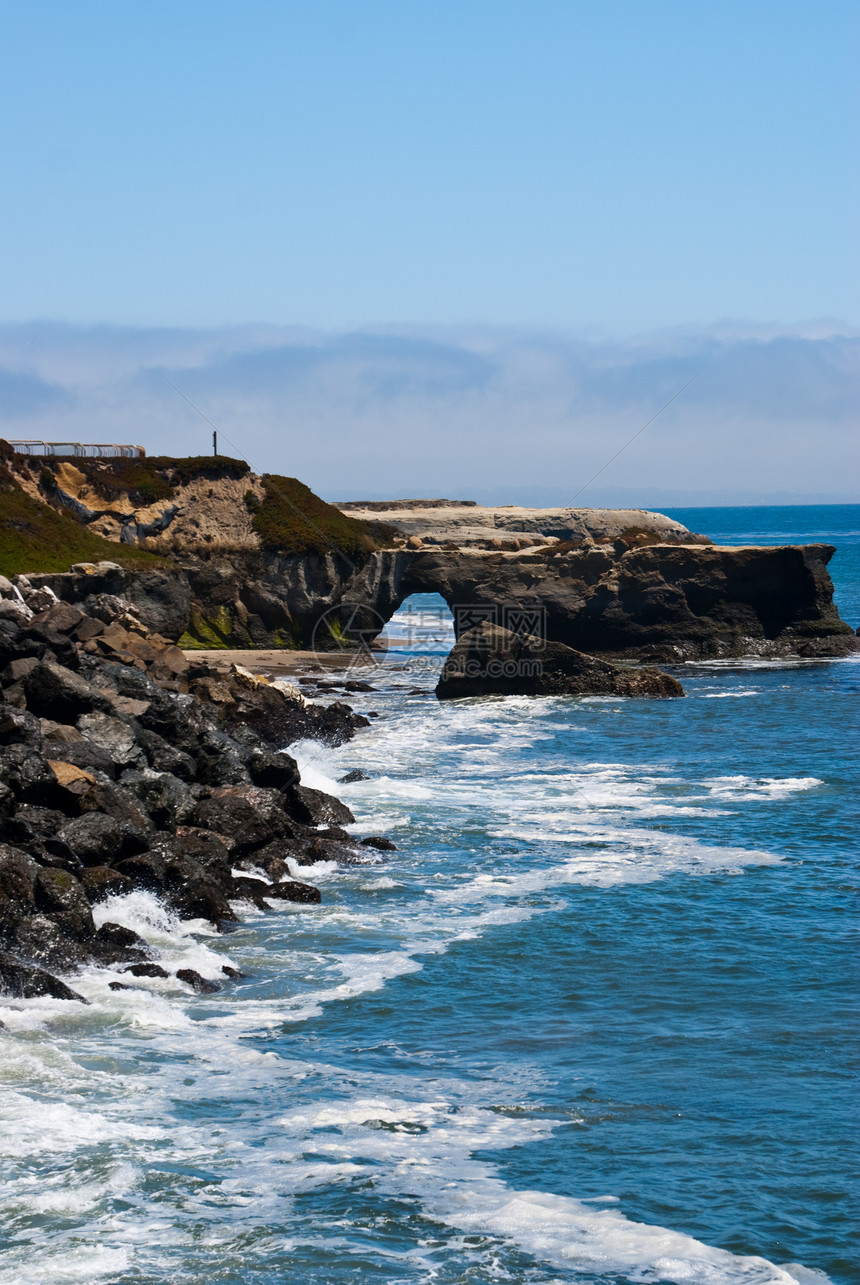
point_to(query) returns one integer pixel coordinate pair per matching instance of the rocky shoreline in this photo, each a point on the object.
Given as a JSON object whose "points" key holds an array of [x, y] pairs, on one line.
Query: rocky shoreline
{"points": [[131, 758], [124, 766]]}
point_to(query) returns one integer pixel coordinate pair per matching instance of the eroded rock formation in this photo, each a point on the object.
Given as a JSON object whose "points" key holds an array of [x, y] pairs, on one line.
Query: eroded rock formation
{"points": [[261, 562], [489, 660]]}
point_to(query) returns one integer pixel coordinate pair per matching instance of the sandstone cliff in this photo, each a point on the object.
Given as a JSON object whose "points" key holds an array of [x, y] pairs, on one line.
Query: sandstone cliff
{"points": [[224, 558]]}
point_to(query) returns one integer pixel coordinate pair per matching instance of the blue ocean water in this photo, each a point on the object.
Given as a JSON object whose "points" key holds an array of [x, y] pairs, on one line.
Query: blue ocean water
{"points": [[593, 1021]]}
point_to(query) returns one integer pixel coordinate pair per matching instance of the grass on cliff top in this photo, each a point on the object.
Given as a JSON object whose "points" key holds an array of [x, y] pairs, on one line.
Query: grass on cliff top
{"points": [[148, 479], [291, 519], [35, 538]]}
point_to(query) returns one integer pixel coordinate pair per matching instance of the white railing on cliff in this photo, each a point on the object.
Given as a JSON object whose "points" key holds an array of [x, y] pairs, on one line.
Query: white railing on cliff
{"points": [[86, 450]]}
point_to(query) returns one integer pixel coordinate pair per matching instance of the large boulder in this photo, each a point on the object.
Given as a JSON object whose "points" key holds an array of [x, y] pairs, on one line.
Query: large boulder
{"points": [[100, 840], [248, 815], [101, 882], [294, 890], [24, 981], [488, 660], [50, 942], [61, 617], [315, 807], [18, 727], [57, 892], [18, 873], [164, 798], [190, 889], [82, 753], [114, 737], [57, 693]]}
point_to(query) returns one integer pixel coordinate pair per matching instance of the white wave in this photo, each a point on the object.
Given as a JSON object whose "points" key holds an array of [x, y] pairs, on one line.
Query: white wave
{"points": [[713, 696], [91, 1262], [425, 1151], [748, 788]]}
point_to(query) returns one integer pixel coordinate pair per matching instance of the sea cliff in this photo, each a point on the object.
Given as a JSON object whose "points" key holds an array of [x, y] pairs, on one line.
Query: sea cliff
{"points": [[212, 555]]}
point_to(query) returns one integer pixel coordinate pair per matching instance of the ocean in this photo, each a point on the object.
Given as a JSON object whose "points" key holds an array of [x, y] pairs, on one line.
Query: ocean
{"points": [[593, 1021]]}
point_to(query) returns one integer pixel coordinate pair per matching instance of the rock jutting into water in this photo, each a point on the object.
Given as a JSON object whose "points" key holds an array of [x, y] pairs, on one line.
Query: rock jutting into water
{"points": [[488, 660], [248, 561]]}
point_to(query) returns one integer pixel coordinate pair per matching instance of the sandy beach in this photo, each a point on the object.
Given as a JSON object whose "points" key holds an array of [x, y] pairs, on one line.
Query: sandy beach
{"points": [[278, 662]]}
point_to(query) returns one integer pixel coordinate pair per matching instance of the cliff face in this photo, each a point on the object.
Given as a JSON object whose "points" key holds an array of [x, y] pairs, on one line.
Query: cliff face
{"points": [[252, 562], [662, 602]]}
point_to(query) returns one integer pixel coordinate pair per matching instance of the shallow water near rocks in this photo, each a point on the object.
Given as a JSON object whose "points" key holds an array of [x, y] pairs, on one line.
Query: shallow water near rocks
{"points": [[591, 1022]]}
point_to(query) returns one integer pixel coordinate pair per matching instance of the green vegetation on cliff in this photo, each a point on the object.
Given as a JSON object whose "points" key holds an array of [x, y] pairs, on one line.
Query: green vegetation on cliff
{"points": [[34, 537], [40, 536], [291, 519]]}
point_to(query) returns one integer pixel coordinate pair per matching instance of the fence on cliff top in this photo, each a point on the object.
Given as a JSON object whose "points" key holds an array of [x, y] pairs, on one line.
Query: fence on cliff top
{"points": [[83, 450]]}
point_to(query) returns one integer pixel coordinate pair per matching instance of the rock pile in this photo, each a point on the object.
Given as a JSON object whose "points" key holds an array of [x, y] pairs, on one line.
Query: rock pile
{"points": [[123, 766]]}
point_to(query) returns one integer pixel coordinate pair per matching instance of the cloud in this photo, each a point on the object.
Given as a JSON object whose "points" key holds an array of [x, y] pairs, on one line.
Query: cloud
{"points": [[23, 395], [498, 413]]}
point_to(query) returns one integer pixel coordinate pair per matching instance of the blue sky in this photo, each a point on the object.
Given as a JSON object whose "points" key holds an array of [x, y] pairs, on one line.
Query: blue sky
{"points": [[591, 164], [569, 186]]}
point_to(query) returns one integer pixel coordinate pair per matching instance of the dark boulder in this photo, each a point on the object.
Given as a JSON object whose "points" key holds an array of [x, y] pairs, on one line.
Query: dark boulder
{"points": [[119, 803], [61, 618], [164, 757], [488, 660], [195, 851], [58, 892], [15, 830], [210, 850], [272, 770], [118, 936], [250, 889], [146, 970], [57, 854], [44, 821], [146, 870], [379, 842], [200, 984], [31, 778], [101, 882], [345, 854], [315, 807], [274, 857], [50, 941], [19, 727], [248, 815], [114, 737], [185, 885], [57, 693], [17, 670], [48, 645], [83, 753], [100, 840], [24, 981], [164, 798], [18, 873], [293, 890], [198, 896]]}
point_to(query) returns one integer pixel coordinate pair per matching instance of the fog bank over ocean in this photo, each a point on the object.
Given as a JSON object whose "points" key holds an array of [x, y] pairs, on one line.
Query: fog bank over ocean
{"points": [[496, 415]]}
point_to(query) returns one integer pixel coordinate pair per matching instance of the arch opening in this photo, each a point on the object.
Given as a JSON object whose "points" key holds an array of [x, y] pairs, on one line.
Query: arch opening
{"points": [[422, 626]]}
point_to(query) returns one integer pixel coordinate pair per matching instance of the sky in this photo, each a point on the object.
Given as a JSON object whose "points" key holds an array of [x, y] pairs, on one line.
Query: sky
{"points": [[484, 237]]}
